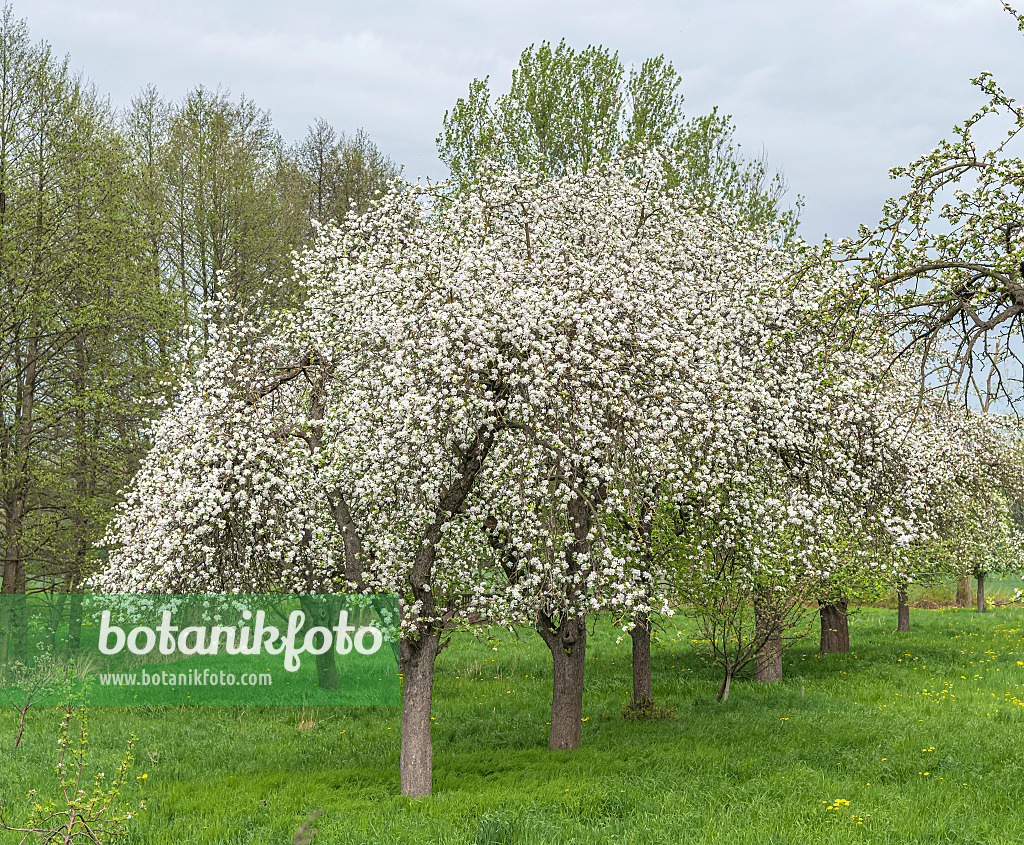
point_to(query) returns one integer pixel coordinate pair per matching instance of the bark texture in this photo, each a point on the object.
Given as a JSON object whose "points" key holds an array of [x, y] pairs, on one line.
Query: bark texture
{"points": [[568, 644], [768, 663], [643, 687], [835, 627], [565, 634], [417, 753], [903, 614], [981, 591]]}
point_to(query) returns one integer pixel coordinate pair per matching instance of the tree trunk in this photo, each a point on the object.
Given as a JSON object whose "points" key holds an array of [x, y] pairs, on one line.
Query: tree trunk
{"points": [[567, 642], [835, 627], [903, 614], [963, 592], [56, 618], [6, 627], [13, 640], [75, 622], [13, 564], [320, 612], [418, 655], [981, 591], [14, 627], [768, 662], [87, 438], [643, 687], [417, 755], [13, 611], [723, 689], [327, 671]]}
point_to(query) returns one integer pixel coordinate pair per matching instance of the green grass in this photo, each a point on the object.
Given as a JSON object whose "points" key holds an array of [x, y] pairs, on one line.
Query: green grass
{"points": [[921, 733]]}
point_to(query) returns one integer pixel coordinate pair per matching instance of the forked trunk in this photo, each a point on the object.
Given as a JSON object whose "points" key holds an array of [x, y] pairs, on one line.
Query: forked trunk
{"points": [[768, 662], [981, 591], [417, 755], [835, 627], [903, 614], [723, 689], [568, 645], [643, 688]]}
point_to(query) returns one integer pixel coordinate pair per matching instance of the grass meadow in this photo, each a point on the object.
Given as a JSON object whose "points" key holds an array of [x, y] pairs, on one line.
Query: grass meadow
{"points": [[910, 738]]}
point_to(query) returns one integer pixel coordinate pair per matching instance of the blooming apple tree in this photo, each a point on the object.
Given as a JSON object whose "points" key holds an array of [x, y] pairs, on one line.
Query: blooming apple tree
{"points": [[947, 257], [471, 384], [826, 467], [480, 390], [981, 475]]}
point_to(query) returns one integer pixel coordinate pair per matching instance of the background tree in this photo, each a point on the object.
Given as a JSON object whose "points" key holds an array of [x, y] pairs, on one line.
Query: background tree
{"points": [[829, 497], [947, 257], [974, 532], [229, 228], [224, 202], [567, 109], [978, 534], [79, 320], [144, 128], [341, 173]]}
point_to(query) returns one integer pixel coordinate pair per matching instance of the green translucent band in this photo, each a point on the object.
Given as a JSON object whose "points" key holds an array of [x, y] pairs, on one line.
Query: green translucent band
{"points": [[200, 649]]}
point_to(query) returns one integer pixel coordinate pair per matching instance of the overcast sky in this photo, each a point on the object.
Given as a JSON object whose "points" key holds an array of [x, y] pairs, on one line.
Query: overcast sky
{"points": [[835, 93]]}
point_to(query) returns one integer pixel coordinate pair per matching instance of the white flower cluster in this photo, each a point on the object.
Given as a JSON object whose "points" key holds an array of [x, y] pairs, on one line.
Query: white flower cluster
{"points": [[484, 398]]}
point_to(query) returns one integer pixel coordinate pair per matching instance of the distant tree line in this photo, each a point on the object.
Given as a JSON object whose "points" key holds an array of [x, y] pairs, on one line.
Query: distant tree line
{"points": [[115, 228]]}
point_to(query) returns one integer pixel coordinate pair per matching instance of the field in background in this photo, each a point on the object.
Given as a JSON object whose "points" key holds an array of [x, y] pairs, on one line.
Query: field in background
{"points": [[912, 738], [999, 588]]}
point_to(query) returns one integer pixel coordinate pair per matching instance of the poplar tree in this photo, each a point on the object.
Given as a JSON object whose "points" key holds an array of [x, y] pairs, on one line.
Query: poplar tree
{"points": [[567, 109]]}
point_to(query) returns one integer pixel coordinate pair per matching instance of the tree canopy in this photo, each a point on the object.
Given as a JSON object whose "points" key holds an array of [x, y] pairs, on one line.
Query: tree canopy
{"points": [[567, 109], [947, 258], [481, 390]]}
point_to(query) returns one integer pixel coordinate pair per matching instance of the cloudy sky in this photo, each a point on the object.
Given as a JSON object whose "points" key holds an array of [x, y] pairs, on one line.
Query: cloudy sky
{"points": [[834, 93]]}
